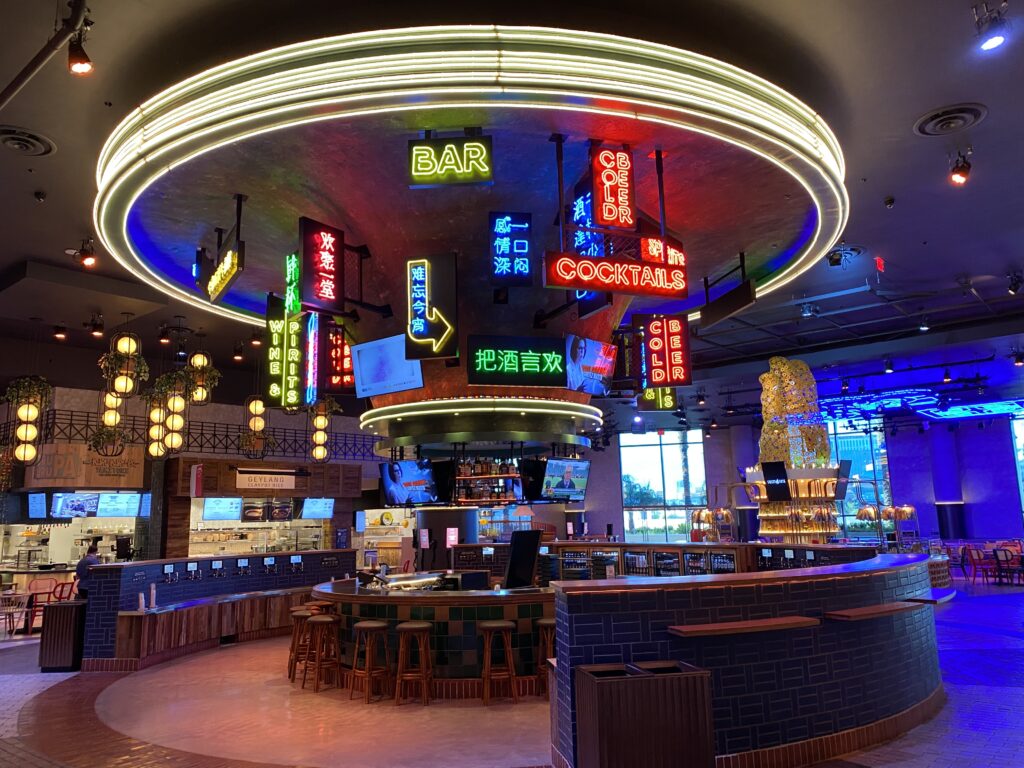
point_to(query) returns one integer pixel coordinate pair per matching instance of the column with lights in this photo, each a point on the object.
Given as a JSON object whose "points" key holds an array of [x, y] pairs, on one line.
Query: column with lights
{"points": [[124, 369], [29, 399]]}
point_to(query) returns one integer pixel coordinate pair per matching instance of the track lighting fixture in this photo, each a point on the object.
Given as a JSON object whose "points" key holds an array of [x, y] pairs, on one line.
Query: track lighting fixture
{"points": [[961, 170], [713, 424], [845, 386], [701, 399], [637, 419], [1016, 282], [707, 433], [60, 332], [79, 62], [256, 340], [181, 353], [1018, 359], [165, 334], [991, 25], [95, 326], [84, 255], [946, 378], [238, 356], [923, 326], [888, 365]]}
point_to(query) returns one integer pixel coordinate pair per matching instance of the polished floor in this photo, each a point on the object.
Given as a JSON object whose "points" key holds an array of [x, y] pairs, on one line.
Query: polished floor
{"points": [[231, 708]]}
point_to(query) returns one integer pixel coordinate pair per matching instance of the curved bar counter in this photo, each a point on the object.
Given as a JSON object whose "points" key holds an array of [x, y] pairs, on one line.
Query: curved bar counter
{"points": [[806, 663]]}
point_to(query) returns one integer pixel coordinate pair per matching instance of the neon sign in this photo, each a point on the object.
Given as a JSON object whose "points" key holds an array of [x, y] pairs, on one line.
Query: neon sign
{"points": [[653, 249], [657, 399], [431, 300], [614, 195], [666, 351], [566, 270], [292, 274], [322, 266], [463, 160], [312, 378], [587, 243], [285, 372], [224, 274], [511, 257], [517, 361], [336, 369]]}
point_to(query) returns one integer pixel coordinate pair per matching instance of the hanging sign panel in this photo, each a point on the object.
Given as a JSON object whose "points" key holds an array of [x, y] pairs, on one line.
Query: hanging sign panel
{"points": [[321, 273], [336, 372], [431, 329], [614, 193], [657, 399], [587, 243], [666, 361], [285, 373], [459, 160], [511, 249], [517, 361], [618, 275], [654, 249]]}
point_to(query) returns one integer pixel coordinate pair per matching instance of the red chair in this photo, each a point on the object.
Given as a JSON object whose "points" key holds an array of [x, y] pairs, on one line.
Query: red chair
{"points": [[406, 566], [40, 593], [981, 563], [64, 591]]}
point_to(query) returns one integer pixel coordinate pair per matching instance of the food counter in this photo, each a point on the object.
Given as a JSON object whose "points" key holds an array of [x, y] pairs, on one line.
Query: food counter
{"points": [[20, 578]]}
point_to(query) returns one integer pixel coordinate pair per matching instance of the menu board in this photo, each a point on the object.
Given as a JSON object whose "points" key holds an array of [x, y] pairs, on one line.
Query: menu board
{"points": [[37, 506], [222, 509], [144, 504], [118, 505], [317, 509]]}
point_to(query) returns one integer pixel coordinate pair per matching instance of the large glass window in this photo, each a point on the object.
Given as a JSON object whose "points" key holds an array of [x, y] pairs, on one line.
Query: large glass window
{"points": [[862, 443], [662, 480], [1017, 425]]}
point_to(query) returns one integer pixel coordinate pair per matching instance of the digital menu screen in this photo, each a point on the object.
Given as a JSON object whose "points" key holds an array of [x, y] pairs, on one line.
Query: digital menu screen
{"points": [[317, 509], [380, 367], [222, 509], [144, 504], [37, 506], [67, 505], [118, 505]]}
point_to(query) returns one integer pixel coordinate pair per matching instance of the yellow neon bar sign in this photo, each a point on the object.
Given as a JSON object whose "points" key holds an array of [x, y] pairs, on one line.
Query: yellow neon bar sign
{"points": [[222, 276], [461, 160]]}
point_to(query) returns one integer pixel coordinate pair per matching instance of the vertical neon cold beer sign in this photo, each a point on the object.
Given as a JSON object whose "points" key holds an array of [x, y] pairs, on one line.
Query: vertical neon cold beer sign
{"points": [[614, 193]]}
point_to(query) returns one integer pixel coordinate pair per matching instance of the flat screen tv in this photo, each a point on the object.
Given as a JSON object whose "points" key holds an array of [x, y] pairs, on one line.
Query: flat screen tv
{"points": [[589, 365], [68, 505], [118, 505], [531, 473], [776, 480], [522, 559], [37, 506], [565, 479], [229, 508], [844, 478], [317, 509], [408, 482], [380, 367]]}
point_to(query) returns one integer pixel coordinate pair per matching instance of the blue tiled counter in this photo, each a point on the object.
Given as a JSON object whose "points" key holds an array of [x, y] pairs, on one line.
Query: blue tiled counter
{"points": [[116, 587], [770, 689]]}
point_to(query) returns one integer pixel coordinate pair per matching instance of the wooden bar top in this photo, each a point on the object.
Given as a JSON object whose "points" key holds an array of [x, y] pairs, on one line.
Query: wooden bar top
{"points": [[221, 556], [346, 591], [744, 627], [214, 600], [877, 564]]}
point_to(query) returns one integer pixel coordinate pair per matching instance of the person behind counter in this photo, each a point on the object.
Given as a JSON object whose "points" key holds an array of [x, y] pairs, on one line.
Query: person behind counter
{"points": [[82, 571]]}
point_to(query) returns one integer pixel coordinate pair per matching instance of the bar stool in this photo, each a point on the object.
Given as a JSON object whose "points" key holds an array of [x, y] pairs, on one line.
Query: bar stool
{"points": [[545, 651], [506, 671], [371, 633], [418, 633], [323, 654], [300, 641], [324, 606]]}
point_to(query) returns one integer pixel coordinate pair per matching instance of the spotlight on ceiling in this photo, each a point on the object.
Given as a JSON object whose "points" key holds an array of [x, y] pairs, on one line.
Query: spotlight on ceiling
{"points": [[165, 335], [888, 366], [60, 332], [960, 170], [845, 386], [637, 419], [923, 326], [1016, 282], [807, 310], [79, 62], [946, 378], [95, 326], [701, 399], [713, 424], [256, 340], [238, 356], [181, 353], [1018, 359], [84, 255], [991, 24], [707, 432]]}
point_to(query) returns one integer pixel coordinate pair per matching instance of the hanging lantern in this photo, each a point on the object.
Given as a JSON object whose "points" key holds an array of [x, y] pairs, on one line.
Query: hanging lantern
{"points": [[123, 367], [203, 377], [158, 414], [867, 512], [319, 422], [29, 399], [253, 443]]}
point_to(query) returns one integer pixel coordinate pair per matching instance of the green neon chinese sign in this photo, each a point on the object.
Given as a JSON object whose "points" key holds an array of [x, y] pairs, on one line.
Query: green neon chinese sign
{"points": [[517, 361], [292, 283]]}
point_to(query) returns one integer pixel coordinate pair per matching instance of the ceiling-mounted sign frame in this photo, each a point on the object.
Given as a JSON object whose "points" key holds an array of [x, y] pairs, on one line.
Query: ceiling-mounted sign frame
{"points": [[614, 188], [431, 329], [613, 274], [322, 266], [666, 350], [435, 161]]}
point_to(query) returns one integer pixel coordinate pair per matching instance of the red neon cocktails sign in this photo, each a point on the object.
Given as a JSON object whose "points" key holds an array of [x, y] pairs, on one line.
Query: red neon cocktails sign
{"points": [[614, 198], [568, 270], [666, 351]]}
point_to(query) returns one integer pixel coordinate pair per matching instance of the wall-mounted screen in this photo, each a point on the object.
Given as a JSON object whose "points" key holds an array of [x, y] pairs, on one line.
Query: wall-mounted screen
{"points": [[408, 482], [317, 509], [566, 479], [37, 506], [380, 367], [68, 505], [118, 505], [776, 480], [144, 504], [222, 509], [589, 365]]}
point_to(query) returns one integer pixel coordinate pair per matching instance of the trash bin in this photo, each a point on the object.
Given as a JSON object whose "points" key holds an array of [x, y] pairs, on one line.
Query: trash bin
{"points": [[656, 714], [60, 648]]}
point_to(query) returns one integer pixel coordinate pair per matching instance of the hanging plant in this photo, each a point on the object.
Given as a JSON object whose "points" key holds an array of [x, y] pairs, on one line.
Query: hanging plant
{"points": [[114, 363], [325, 406], [255, 445], [28, 388], [108, 441], [6, 470], [171, 382]]}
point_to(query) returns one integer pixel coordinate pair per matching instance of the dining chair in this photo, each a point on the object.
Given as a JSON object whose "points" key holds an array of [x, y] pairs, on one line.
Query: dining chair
{"points": [[980, 563], [41, 591], [13, 607], [1004, 565]]}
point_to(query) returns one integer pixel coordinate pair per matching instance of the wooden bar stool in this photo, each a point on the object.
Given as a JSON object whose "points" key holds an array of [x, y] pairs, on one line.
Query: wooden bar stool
{"points": [[371, 633], [324, 606], [506, 671], [545, 651], [323, 654], [300, 641], [409, 633]]}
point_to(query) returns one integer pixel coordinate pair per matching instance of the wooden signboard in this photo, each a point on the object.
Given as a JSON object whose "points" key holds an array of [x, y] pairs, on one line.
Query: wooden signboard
{"points": [[220, 478], [73, 465]]}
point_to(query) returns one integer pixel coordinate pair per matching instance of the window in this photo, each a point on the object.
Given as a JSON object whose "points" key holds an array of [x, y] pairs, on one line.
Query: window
{"points": [[662, 480], [1017, 425], [863, 444]]}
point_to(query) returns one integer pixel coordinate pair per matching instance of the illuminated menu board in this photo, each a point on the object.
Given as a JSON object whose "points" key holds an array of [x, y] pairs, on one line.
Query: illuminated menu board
{"points": [[322, 281], [118, 505], [666, 359], [614, 193], [511, 249], [517, 361]]}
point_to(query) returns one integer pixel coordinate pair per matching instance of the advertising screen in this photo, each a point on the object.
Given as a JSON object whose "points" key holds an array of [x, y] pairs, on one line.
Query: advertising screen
{"points": [[380, 367], [776, 480], [565, 479], [118, 505], [317, 509], [74, 504], [144, 504], [222, 509], [589, 365], [408, 482], [37, 506]]}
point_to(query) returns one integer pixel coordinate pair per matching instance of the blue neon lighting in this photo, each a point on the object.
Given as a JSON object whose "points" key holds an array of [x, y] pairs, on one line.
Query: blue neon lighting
{"points": [[511, 248], [876, 403]]}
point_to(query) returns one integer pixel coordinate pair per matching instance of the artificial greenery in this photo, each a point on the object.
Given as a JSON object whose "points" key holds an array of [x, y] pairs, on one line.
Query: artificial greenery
{"points": [[115, 363], [34, 388], [165, 384], [104, 437], [325, 406]]}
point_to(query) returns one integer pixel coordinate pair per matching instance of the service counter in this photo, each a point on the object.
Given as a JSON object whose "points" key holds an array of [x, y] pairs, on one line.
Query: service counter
{"points": [[20, 579]]}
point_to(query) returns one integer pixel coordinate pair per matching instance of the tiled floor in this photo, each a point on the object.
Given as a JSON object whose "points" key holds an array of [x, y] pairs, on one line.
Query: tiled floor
{"points": [[233, 706]]}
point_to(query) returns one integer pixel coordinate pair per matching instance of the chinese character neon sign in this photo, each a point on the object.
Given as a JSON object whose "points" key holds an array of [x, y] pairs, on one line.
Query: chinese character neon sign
{"points": [[430, 328], [614, 203], [462, 160], [337, 375], [587, 243], [514, 360], [511, 249], [566, 270], [292, 275], [666, 351], [653, 249], [284, 361], [322, 266]]}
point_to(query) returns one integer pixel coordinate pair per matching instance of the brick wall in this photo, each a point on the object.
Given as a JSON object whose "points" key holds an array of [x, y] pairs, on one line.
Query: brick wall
{"points": [[116, 588]]}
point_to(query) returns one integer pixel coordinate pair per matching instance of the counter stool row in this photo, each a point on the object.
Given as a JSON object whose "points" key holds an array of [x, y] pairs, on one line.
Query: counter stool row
{"points": [[315, 647]]}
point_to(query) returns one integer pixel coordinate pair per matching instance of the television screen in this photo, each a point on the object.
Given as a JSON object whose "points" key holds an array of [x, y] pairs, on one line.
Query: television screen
{"points": [[222, 509], [408, 482], [776, 481], [118, 505], [74, 505], [380, 367], [317, 509], [531, 473], [37, 506], [589, 365], [565, 479], [844, 478], [144, 504]]}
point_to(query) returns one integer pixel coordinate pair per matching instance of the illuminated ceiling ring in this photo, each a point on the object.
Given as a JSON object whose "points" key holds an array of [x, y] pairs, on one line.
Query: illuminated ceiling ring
{"points": [[587, 416], [447, 67]]}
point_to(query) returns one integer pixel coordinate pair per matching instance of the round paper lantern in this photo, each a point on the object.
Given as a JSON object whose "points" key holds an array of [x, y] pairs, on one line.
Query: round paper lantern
{"points": [[175, 422], [257, 407], [111, 418], [319, 438], [319, 452], [199, 360], [257, 423], [25, 452], [157, 432], [200, 394], [126, 345], [320, 421], [174, 440], [26, 433], [157, 415], [123, 385], [28, 412], [111, 400], [156, 450], [176, 403]]}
